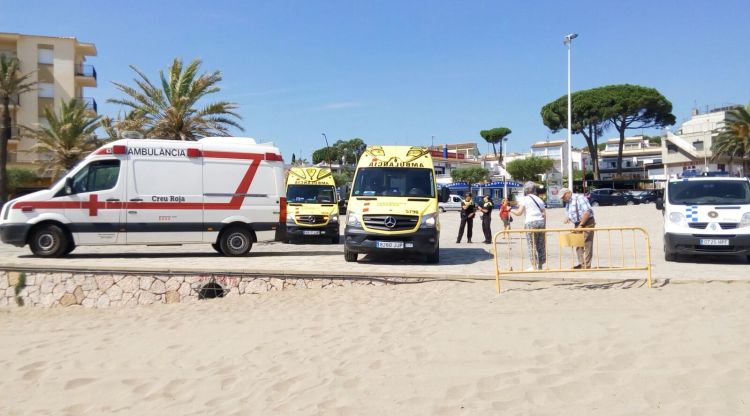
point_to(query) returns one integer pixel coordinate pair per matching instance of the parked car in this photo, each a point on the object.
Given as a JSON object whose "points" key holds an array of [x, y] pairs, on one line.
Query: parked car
{"points": [[608, 196], [452, 204], [645, 197]]}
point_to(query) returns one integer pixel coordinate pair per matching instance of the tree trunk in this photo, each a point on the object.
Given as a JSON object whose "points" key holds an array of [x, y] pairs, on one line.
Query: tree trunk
{"points": [[4, 137], [495, 151], [595, 160], [621, 130]]}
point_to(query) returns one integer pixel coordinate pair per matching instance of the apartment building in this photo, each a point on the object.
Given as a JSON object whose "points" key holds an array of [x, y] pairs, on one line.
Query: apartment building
{"points": [[689, 148], [58, 65], [640, 157], [556, 150]]}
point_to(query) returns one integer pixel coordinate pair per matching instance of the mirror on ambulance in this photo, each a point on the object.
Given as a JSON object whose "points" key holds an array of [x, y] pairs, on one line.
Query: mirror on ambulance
{"points": [[68, 186]]}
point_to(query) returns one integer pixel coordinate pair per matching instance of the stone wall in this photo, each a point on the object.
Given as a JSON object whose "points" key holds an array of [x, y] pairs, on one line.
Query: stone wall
{"points": [[101, 290]]}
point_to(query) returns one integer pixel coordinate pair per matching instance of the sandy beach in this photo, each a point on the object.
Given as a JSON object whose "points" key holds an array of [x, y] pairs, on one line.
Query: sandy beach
{"points": [[436, 348]]}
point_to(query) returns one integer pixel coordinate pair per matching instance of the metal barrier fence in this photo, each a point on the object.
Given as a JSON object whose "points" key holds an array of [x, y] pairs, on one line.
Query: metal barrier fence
{"points": [[533, 247]]}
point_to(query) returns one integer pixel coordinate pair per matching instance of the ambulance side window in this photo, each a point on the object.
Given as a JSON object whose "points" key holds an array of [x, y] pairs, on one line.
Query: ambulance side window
{"points": [[97, 176]]}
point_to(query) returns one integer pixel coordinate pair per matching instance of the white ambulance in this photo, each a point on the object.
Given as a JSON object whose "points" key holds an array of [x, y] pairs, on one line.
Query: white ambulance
{"points": [[706, 215], [217, 190]]}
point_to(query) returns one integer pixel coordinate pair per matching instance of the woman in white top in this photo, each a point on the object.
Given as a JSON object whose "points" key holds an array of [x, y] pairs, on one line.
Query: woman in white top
{"points": [[534, 209]]}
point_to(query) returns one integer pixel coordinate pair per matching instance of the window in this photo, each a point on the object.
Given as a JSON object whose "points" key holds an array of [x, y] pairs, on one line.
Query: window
{"points": [[709, 192], [97, 176], [320, 194], [46, 56], [671, 148], [394, 182], [698, 145], [46, 89]]}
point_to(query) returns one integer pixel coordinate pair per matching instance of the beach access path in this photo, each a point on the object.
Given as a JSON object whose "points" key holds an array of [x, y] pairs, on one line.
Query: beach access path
{"points": [[457, 261]]}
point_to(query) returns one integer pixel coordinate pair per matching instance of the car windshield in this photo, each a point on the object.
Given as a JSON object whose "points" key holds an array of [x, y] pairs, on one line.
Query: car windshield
{"points": [[311, 194], [417, 182], [709, 192]]}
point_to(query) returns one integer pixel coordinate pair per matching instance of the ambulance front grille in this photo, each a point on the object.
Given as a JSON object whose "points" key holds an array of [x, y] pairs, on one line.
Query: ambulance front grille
{"points": [[703, 225], [311, 219], [383, 222]]}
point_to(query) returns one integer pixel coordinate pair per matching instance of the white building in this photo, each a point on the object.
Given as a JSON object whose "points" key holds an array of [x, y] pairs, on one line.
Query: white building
{"points": [[639, 157], [556, 150], [690, 147]]}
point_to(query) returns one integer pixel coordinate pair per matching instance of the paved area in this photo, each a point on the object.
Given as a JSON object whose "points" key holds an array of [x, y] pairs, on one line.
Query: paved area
{"points": [[457, 260]]}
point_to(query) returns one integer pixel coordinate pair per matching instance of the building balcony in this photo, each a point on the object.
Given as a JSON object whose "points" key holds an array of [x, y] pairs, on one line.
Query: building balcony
{"points": [[89, 103], [86, 75]]}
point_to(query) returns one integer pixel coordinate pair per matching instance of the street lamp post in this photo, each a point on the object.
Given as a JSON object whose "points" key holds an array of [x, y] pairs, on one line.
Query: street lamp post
{"points": [[568, 41], [505, 176], [328, 152]]}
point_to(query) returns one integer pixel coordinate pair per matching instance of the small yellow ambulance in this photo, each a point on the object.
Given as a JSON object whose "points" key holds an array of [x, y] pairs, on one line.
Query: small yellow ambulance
{"points": [[393, 204], [312, 204]]}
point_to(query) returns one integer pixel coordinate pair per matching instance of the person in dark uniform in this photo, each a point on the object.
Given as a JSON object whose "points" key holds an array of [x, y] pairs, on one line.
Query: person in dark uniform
{"points": [[486, 208], [468, 210]]}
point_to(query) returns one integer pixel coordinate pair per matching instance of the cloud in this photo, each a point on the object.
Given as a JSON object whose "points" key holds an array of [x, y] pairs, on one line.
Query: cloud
{"points": [[338, 106]]}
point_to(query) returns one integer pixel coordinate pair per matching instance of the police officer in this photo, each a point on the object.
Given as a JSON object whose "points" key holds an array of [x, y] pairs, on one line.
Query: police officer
{"points": [[468, 209], [486, 209]]}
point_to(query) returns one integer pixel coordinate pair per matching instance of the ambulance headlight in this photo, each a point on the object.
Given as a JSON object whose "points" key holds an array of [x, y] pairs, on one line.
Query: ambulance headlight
{"points": [[676, 217], [290, 218], [745, 222], [429, 220], [352, 220], [334, 218]]}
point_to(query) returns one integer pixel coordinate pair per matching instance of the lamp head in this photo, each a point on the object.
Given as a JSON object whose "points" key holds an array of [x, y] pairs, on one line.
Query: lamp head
{"points": [[569, 38]]}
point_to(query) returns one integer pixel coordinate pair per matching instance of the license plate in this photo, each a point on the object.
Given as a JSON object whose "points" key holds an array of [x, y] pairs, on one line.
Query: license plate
{"points": [[389, 244], [311, 232], [714, 242]]}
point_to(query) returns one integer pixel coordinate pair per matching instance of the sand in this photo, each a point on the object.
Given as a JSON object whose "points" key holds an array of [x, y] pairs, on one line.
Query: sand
{"points": [[437, 348]]}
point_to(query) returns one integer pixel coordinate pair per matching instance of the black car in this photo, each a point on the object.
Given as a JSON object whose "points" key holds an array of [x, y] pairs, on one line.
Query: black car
{"points": [[646, 197], [608, 196]]}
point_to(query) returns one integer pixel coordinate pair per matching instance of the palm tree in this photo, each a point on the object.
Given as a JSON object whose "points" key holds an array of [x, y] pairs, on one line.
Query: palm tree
{"points": [[733, 139], [68, 138], [115, 128], [12, 84], [169, 110]]}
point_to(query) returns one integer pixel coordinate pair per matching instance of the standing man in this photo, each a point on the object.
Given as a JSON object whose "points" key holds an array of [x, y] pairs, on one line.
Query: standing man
{"points": [[486, 209], [579, 212], [468, 209]]}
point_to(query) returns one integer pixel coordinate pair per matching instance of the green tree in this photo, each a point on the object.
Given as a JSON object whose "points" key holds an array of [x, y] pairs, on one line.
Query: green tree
{"points": [[69, 137], [587, 116], [347, 150], [530, 168], [18, 177], [495, 136], [343, 177], [733, 139], [12, 84], [325, 154], [470, 175], [633, 107], [171, 111], [117, 128]]}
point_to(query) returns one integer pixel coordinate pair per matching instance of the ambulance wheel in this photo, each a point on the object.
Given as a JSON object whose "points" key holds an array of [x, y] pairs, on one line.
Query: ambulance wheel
{"points": [[235, 241], [49, 241], [336, 239], [434, 257], [350, 256], [217, 247]]}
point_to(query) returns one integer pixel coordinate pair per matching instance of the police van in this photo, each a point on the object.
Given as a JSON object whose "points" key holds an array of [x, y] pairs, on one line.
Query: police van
{"points": [[706, 215], [312, 204], [217, 190], [393, 204]]}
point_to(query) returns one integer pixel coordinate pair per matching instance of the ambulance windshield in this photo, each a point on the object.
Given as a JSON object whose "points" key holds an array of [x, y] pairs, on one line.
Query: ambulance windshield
{"points": [[709, 192], [310, 194], [412, 182]]}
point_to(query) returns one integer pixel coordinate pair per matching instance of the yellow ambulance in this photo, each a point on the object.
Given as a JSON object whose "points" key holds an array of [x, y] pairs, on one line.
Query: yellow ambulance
{"points": [[312, 205], [393, 204]]}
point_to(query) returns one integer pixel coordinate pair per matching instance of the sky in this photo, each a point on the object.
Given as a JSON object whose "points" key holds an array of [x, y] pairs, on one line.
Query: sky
{"points": [[401, 72]]}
